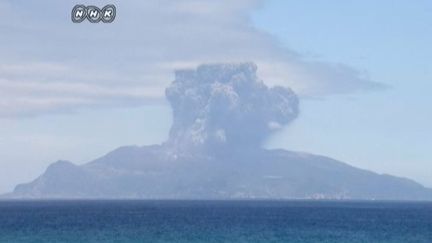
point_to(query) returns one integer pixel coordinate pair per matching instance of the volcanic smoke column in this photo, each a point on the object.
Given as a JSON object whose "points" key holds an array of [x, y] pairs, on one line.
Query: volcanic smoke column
{"points": [[222, 107]]}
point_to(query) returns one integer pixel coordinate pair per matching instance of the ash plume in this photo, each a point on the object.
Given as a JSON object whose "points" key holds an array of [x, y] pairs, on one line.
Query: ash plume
{"points": [[221, 115], [225, 106]]}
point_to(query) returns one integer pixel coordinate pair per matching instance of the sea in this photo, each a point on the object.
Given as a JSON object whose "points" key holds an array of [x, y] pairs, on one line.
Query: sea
{"points": [[214, 221]]}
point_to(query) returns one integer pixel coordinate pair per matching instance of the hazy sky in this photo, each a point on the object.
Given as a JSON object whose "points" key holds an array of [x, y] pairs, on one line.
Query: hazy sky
{"points": [[76, 91]]}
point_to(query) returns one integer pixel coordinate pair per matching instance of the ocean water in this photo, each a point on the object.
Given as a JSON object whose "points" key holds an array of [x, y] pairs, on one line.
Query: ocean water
{"points": [[214, 221]]}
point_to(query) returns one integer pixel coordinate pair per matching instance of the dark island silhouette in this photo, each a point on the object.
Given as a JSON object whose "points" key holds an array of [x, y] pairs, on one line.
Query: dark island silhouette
{"points": [[221, 115]]}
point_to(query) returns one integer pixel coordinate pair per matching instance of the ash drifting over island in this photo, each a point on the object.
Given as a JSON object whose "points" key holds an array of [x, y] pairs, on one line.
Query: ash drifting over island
{"points": [[221, 115], [220, 107]]}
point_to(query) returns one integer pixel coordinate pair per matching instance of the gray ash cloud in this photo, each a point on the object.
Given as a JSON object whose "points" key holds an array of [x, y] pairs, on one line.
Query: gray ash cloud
{"points": [[226, 106]]}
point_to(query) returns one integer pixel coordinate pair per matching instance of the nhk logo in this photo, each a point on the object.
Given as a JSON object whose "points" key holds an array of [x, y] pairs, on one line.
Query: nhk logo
{"points": [[93, 14]]}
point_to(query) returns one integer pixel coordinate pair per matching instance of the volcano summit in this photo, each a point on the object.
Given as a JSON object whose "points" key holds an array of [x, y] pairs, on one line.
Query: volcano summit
{"points": [[221, 115]]}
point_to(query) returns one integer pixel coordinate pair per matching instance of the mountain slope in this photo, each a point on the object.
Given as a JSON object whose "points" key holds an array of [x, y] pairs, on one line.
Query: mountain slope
{"points": [[222, 113], [155, 172]]}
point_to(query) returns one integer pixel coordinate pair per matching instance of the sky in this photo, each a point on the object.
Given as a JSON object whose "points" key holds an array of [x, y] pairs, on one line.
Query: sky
{"points": [[77, 91]]}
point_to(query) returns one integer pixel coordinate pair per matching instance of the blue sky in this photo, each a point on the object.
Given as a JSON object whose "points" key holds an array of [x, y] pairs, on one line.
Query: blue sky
{"points": [[361, 67], [386, 131]]}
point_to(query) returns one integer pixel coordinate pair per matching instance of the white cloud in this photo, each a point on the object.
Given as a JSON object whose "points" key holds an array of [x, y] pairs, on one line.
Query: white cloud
{"points": [[52, 65]]}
